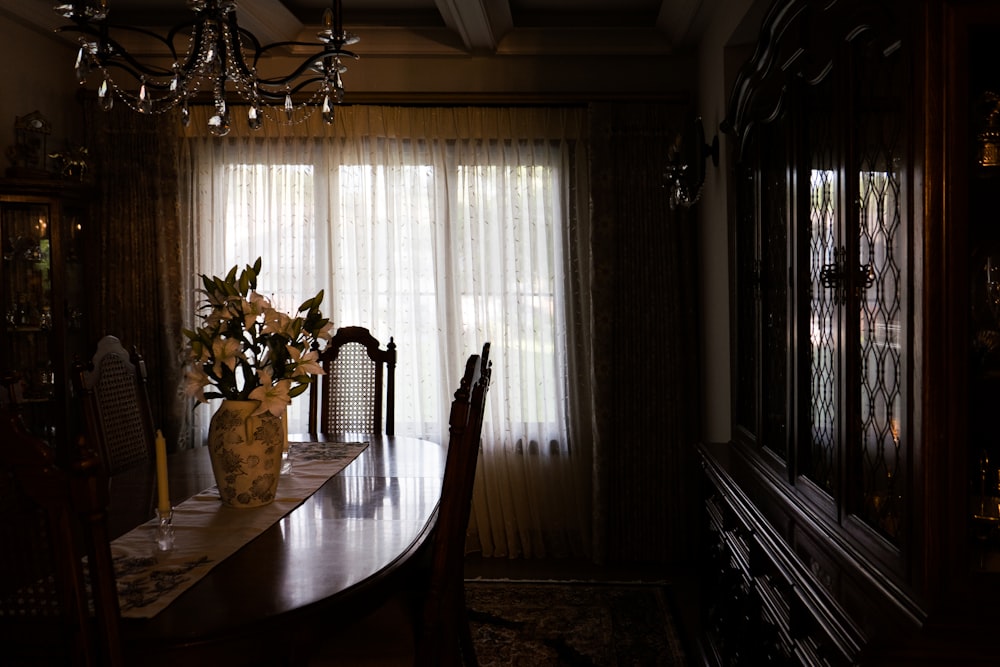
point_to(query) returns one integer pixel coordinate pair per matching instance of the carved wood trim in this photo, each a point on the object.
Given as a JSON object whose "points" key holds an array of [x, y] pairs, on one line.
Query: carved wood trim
{"points": [[799, 41]]}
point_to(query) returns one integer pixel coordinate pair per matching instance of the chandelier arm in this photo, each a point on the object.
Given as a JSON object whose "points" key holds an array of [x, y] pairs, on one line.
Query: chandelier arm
{"points": [[236, 47], [327, 51], [155, 82], [281, 93], [304, 67], [102, 32], [177, 29], [191, 63], [110, 49]]}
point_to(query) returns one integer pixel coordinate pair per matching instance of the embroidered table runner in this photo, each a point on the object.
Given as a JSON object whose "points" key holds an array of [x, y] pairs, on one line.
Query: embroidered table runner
{"points": [[206, 531]]}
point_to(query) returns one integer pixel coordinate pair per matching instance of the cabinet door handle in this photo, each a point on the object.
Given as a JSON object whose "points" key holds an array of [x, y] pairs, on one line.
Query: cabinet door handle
{"points": [[834, 276]]}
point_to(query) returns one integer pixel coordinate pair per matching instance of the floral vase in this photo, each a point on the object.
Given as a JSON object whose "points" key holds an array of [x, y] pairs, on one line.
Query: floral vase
{"points": [[245, 450]]}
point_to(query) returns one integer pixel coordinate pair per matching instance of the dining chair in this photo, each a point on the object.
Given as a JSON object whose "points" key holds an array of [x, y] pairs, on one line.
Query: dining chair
{"points": [[426, 623], [54, 608], [358, 372], [112, 388]]}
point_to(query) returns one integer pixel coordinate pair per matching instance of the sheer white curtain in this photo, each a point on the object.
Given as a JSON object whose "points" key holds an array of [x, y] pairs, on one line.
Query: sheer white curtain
{"points": [[442, 228]]}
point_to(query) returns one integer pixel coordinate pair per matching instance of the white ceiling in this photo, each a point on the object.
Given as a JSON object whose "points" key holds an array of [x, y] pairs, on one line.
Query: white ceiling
{"points": [[460, 27]]}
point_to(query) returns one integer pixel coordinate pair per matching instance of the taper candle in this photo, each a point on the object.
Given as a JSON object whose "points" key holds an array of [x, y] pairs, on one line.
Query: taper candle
{"points": [[162, 488]]}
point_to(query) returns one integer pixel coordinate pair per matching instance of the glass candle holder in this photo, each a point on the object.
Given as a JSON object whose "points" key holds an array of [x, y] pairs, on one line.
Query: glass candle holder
{"points": [[164, 530]]}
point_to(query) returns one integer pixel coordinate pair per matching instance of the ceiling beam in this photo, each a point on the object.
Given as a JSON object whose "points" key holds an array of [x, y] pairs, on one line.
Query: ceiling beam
{"points": [[270, 21], [480, 24], [679, 19], [37, 15]]}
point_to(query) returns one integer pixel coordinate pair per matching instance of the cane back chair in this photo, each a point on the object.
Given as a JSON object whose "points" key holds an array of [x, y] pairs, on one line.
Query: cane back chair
{"points": [[112, 387], [358, 375]]}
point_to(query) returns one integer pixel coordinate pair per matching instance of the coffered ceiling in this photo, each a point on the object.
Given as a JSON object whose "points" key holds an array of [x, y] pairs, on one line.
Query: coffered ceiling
{"points": [[442, 27]]}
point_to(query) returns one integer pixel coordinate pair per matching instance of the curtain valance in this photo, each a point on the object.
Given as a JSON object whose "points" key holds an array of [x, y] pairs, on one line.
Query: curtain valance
{"points": [[410, 122]]}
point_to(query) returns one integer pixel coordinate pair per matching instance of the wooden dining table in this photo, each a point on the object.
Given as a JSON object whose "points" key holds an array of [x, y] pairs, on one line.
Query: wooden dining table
{"points": [[333, 557]]}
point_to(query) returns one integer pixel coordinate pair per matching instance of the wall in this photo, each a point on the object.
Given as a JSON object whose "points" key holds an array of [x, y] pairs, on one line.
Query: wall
{"points": [[38, 76], [726, 44]]}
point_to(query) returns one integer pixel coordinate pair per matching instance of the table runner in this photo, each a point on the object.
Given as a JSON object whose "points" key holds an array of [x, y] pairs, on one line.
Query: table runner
{"points": [[206, 531]]}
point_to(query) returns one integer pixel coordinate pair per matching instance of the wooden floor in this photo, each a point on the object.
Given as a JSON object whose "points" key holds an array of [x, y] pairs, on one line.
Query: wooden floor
{"points": [[682, 581]]}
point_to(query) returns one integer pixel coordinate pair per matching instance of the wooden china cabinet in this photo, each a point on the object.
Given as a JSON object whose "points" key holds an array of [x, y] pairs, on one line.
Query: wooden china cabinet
{"points": [[42, 298], [854, 517]]}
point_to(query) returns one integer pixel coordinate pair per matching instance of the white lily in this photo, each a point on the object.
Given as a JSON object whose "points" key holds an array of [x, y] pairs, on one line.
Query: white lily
{"points": [[195, 381], [227, 352], [273, 396], [305, 362]]}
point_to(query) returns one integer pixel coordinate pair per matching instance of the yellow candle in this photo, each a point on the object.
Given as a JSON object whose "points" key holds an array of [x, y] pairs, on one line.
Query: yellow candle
{"points": [[162, 488]]}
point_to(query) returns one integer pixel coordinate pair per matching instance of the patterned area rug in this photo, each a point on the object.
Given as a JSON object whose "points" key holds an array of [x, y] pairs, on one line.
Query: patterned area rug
{"points": [[535, 624]]}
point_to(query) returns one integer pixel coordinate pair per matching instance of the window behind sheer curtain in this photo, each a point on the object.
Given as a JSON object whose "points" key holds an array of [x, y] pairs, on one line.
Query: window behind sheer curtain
{"points": [[442, 245]]}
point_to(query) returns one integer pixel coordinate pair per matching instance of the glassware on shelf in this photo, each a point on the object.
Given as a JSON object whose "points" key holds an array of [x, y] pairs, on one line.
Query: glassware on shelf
{"points": [[992, 270], [23, 312]]}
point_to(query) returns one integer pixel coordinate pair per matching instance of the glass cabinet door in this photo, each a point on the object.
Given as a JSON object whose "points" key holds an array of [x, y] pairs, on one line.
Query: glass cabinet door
{"points": [[854, 305], [823, 298], [26, 300], [42, 301]]}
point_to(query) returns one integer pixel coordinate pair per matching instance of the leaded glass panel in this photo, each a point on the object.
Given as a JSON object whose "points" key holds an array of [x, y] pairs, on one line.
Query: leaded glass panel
{"points": [[825, 298], [880, 306]]}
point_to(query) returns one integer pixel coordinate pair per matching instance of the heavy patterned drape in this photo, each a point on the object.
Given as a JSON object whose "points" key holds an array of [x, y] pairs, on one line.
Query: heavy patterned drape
{"points": [[645, 340], [133, 250]]}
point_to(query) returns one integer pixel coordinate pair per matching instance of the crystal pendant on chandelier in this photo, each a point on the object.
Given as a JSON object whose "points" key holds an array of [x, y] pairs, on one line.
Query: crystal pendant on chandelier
{"points": [[327, 110], [218, 123], [145, 101], [338, 84], [105, 96], [82, 66], [255, 117]]}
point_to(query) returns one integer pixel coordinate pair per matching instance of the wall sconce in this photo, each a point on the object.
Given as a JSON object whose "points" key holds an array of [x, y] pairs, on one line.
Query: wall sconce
{"points": [[685, 172]]}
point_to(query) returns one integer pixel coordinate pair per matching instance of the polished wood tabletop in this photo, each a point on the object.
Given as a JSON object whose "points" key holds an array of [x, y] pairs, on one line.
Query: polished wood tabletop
{"points": [[334, 556]]}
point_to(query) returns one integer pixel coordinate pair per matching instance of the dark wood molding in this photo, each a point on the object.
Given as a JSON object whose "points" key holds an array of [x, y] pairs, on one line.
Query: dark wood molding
{"points": [[798, 45]]}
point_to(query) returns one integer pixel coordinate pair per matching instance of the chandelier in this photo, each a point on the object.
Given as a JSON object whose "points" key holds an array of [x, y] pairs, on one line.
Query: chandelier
{"points": [[219, 61]]}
